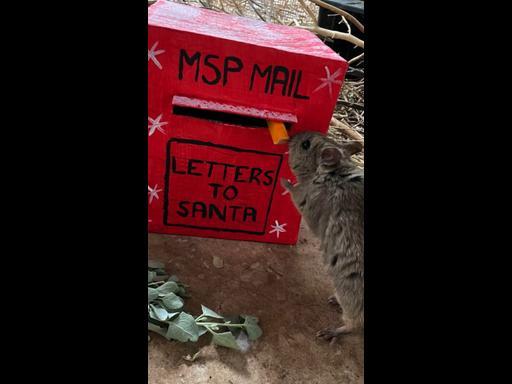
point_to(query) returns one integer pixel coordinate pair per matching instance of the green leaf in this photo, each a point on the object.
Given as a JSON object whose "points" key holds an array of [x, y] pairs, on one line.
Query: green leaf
{"points": [[208, 312], [168, 287], [158, 313], [155, 328], [182, 292], [152, 294], [202, 331], [183, 328], [151, 276], [174, 278], [251, 327], [172, 314], [153, 264], [225, 339], [172, 301], [160, 278]]}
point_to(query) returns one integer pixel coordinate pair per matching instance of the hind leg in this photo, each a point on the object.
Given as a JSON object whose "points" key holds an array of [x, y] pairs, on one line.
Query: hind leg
{"points": [[331, 334]]}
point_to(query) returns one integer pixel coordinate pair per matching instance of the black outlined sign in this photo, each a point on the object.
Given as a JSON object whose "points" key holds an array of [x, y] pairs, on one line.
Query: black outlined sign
{"points": [[218, 187]]}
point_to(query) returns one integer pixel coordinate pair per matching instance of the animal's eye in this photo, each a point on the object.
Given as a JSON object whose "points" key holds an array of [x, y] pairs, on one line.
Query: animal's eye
{"points": [[306, 144]]}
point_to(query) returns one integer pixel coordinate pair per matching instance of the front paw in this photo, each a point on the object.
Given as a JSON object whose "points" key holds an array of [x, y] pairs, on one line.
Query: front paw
{"points": [[286, 184]]}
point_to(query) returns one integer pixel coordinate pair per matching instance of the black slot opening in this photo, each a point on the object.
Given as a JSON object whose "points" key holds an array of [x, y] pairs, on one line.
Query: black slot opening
{"points": [[223, 117]]}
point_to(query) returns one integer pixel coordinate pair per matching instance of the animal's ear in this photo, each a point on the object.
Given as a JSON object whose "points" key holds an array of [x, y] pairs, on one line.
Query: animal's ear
{"points": [[352, 147], [330, 156]]}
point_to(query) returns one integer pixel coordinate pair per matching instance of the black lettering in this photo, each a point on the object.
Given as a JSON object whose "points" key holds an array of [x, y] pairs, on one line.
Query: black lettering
{"points": [[266, 73], [210, 170], [233, 194], [276, 80], [249, 212], [292, 80], [296, 93], [174, 167], [228, 69], [270, 179], [255, 172], [199, 207], [234, 209], [215, 188], [191, 167], [218, 75], [190, 61], [213, 208], [226, 166], [237, 173], [183, 212]]}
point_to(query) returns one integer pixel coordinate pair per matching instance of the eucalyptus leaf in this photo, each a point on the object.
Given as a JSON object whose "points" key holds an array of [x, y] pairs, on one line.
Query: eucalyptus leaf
{"points": [[168, 287], [183, 328], [171, 315], [209, 313], [225, 339], [158, 313], [155, 328], [152, 294], [172, 301], [182, 292], [252, 328], [166, 317]]}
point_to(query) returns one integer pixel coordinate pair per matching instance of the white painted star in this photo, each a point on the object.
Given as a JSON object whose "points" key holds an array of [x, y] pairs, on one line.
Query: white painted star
{"points": [[156, 125], [278, 228], [329, 80], [152, 55], [153, 192]]}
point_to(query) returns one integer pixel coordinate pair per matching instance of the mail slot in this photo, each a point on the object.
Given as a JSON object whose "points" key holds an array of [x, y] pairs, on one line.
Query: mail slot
{"points": [[215, 81]]}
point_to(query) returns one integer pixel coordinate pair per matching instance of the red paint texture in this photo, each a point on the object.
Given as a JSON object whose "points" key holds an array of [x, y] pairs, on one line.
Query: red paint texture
{"points": [[216, 177]]}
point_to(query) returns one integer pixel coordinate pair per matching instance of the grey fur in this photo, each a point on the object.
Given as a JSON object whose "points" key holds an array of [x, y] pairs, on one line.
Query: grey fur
{"points": [[330, 197]]}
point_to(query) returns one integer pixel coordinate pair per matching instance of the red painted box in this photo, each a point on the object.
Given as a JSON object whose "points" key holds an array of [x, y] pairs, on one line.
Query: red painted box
{"points": [[213, 82]]}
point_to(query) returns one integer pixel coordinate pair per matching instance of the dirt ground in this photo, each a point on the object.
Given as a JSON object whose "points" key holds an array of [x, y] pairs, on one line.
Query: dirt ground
{"points": [[285, 287]]}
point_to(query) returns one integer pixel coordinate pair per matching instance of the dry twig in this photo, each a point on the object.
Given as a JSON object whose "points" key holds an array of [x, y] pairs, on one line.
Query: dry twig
{"points": [[340, 12]]}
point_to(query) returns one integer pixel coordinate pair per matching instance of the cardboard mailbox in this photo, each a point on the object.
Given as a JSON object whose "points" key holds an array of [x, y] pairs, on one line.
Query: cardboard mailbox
{"points": [[214, 83]]}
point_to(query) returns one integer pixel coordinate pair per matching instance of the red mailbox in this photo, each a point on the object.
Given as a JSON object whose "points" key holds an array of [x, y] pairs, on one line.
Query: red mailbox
{"points": [[214, 81]]}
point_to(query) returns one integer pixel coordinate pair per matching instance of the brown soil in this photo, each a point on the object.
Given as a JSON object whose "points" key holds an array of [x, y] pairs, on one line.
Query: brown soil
{"points": [[285, 287]]}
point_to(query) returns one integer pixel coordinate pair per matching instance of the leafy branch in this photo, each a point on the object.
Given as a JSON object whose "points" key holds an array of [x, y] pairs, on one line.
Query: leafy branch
{"points": [[167, 318]]}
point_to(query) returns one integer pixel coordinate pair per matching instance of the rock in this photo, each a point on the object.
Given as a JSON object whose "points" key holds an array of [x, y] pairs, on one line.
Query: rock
{"points": [[217, 262], [256, 266], [257, 283], [246, 277]]}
